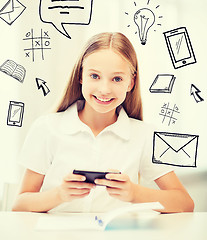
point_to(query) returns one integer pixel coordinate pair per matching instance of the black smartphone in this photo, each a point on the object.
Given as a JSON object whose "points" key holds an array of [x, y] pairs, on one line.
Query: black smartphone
{"points": [[92, 175]]}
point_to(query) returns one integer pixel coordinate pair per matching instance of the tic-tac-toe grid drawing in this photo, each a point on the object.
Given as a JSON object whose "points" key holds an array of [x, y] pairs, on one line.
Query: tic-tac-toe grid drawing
{"points": [[38, 43], [168, 113]]}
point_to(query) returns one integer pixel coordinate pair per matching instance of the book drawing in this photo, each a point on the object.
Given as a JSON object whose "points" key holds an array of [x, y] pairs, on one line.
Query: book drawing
{"points": [[163, 83], [14, 70]]}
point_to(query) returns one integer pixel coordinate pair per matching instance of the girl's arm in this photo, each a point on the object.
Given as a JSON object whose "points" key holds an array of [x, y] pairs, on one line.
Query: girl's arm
{"points": [[31, 199], [172, 194]]}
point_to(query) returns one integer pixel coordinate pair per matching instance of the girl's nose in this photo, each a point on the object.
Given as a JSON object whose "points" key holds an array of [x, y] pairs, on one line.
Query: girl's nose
{"points": [[105, 86]]}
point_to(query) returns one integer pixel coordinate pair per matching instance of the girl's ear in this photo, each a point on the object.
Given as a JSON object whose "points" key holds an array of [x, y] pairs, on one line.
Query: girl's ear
{"points": [[131, 85], [81, 81]]}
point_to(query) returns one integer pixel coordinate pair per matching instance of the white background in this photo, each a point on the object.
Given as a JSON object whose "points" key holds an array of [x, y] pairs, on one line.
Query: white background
{"points": [[108, 15]]}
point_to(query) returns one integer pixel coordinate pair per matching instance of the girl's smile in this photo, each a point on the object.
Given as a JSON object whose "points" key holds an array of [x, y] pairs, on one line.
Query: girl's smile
{"points": [[102, 100]]}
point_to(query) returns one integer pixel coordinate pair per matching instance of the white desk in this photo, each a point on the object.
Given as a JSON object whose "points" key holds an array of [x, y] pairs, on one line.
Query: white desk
{"points": [[185, 226]]}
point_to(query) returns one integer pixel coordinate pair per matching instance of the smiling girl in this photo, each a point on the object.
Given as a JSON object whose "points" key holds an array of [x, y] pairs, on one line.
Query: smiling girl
{"points": [[98, 126]]}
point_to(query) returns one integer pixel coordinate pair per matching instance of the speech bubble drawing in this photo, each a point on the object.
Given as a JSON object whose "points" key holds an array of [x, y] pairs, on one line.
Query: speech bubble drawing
{"points": [[60, 12]]}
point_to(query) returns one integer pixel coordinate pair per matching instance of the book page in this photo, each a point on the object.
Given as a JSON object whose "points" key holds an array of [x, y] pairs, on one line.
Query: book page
{"points": [[8, 67], [91, 221], [70, 221], [19, 73]]}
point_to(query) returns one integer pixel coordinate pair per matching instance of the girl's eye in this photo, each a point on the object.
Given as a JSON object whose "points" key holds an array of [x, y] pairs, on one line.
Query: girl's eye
{"points": [[117, 79], [94, 76]]}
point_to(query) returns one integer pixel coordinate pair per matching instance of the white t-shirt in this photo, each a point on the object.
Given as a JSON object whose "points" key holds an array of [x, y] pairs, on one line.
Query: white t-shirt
{"points": [[58, 143]]}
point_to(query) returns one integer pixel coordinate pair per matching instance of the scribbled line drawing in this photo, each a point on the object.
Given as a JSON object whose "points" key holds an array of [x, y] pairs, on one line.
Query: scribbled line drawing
{"points": [[10, 10], [195, 92], [15, 114], [163, 83], [168, 113], [14, 70], [144, 19], [175, 149], [37, 44], [179, 47], [59, 12], [41, 84]]}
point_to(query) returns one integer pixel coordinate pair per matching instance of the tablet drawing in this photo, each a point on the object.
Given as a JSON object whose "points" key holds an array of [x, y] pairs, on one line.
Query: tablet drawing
{"points": [[179, 47], [15, 114]]}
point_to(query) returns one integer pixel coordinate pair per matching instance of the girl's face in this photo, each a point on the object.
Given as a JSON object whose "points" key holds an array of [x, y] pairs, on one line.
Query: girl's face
{"points": [[106, 79]]}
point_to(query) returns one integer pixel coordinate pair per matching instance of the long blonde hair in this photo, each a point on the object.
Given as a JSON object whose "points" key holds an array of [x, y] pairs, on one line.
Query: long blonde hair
{"points": [[121, 45]]}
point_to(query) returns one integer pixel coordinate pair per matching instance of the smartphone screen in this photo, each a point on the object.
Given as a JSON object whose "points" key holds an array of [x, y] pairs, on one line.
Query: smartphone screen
{"points": [[179, 47]]}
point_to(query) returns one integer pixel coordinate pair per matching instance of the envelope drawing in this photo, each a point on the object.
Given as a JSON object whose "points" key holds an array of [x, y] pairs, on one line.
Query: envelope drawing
{"points": [[6, 6], [11, 10], [175, 149]]}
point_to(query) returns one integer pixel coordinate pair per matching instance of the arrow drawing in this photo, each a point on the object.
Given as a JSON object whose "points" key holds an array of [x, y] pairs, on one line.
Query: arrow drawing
{"points": [[195, 92], [42, 84]]}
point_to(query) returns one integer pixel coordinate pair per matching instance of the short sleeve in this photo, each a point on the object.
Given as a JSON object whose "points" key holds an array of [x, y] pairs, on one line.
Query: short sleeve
{"points": [[35, 154], [150, 171]]}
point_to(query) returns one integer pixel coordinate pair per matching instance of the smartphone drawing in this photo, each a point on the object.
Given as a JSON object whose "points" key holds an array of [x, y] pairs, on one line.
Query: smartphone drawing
{"points": [[179, 47], [15, 114]]}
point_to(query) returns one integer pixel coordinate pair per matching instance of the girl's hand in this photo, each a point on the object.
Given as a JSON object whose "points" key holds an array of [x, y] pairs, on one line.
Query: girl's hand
{"points": [[74, 187], [118, 186]]}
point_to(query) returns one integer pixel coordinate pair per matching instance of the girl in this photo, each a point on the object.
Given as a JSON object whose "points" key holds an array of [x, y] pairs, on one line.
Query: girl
{"points": [[98, 126]]}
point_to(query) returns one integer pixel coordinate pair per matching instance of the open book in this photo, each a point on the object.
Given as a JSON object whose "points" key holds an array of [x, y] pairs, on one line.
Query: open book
{"points": [[92, 221], [14, 70]]}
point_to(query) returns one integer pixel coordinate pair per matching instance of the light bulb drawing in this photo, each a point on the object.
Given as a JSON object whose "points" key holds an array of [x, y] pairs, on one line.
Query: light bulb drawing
{"points": [[144, 18]]}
